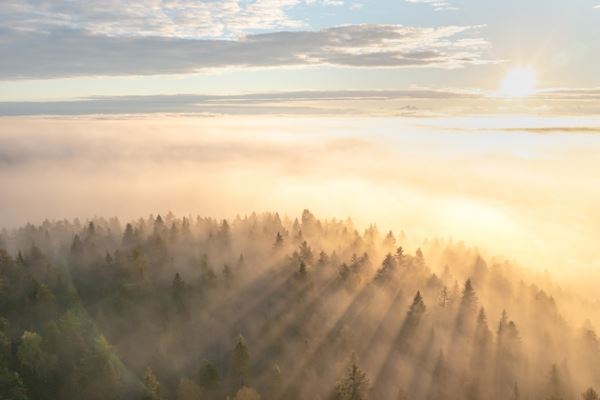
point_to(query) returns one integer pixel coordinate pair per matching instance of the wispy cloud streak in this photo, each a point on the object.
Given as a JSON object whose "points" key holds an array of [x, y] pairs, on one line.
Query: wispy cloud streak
{"points": [[70, 53]]}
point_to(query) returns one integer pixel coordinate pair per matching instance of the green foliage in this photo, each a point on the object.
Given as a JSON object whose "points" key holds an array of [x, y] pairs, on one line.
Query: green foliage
{"points": [[354, 385], [152, 385], [58, 320], [274, 382], [208, 376], [98, 375], [241, 359], [30, 352], [188, 390], [11, 385]]}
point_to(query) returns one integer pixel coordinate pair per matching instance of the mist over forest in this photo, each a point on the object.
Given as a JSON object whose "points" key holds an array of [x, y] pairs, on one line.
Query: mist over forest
{"points": [[269, 307], [299, 200]]}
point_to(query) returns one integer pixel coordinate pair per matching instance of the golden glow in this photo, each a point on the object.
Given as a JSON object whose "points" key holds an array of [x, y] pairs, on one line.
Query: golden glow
{"points": [[519, 82]]}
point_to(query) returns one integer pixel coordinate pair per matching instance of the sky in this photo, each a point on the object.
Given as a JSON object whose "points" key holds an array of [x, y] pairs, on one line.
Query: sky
{"points": [[102, 52], [475, 119]]}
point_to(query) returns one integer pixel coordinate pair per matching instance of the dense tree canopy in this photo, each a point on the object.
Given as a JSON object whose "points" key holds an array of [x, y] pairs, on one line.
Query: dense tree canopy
{"points": [[264, 307]]}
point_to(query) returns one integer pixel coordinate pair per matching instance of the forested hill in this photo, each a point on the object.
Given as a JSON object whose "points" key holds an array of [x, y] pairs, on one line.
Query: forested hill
{"points": [[262, 307]]}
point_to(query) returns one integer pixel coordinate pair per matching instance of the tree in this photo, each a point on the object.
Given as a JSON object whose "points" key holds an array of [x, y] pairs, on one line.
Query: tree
{"points": [[411, 322], [302, 274], [387, 268], [467, 310], [555, 384], [508, 356], [11, 385], [207, 274], [516, 393], [241, 359], [481, 343], [443, 299], [323, 259], [128, 236], [389, 242], [274, 382], [76, 247], [98, 375], [469, 298], [152, 385], [188, 390], [354, 385], [138, 264], [305, 252], [31, 354], [178, 292], [278, 241], [590, 394], [419, 259], [159, 226], [439, 379], [208, 377], [227, 275]]}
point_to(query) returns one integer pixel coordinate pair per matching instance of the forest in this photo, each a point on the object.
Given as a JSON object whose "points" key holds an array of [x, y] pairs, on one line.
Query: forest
{"points": [[270, 307]]}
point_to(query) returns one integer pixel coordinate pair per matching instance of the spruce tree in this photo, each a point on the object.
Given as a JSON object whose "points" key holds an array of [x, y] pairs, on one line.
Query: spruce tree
{"points": [[354, 384]]}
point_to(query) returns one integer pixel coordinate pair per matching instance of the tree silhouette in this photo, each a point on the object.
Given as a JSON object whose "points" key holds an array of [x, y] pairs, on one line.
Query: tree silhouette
{"points": [[241, 359], [354, 385]]}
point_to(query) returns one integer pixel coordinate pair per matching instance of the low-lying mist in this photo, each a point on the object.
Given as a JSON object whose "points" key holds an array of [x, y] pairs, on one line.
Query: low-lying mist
{"points": [[529, 194]]}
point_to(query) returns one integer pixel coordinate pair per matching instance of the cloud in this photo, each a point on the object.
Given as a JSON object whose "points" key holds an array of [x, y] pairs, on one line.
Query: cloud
{"points": [[72, 52], [417, 102], [170, 18], [578, 94], [438, 5], [303, 102]]}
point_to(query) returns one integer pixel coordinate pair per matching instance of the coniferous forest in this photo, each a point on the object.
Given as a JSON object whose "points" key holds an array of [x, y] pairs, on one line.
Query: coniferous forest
{"points": [[267, 307]]}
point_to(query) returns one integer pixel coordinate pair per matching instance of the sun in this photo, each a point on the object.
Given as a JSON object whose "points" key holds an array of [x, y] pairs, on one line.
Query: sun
{"points": [[519, 82]]}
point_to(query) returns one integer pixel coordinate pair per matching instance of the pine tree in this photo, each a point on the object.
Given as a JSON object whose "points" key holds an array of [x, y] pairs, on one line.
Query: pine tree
{"points": [[443, 299], [278, 241], [227, 275], [439, 379], [76, 247], [208, 376], [555, 384], [469, 298], [354, 385], [178, 292], [128, 236], [274, 382], [151, 384], [590, 394], [305, 252], [11, 385], [465, 318], [188, 390], [241, 359], [302, 273], [389, 241], [323, 259]]}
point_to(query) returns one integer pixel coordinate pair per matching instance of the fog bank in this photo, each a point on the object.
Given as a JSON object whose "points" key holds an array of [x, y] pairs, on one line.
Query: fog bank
{"points": [[527, 191]]}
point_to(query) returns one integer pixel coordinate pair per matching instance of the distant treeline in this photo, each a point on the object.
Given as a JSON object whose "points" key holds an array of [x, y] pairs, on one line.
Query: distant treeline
{"points": [[263, 307]]}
